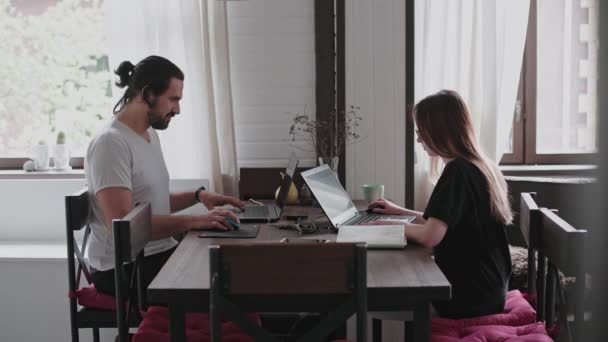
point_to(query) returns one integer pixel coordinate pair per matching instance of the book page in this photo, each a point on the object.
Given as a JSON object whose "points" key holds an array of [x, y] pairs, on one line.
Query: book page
{"points": [[388, 236]]}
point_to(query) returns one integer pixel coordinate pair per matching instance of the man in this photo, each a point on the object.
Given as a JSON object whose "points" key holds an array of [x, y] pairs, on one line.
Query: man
{"points": [[124, 165]]}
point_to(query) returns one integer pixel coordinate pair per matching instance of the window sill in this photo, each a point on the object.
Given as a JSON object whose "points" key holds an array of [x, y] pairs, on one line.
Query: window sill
{"points": [[552, 180], [583, 171], [20, 174], [32, 250]]}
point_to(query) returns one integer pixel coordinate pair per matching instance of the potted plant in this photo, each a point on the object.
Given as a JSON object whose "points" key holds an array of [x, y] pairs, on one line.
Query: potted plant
{"points": [[327, 136], [41, 156], [61, 153]]}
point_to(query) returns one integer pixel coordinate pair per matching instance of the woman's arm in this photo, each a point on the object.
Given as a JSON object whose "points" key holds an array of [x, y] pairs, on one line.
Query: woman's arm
{"points": [[386, 207], [428, 234], [418, 214]]}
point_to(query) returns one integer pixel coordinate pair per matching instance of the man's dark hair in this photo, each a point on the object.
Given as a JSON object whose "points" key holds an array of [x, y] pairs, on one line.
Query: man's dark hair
{"points": [[152, 74]]}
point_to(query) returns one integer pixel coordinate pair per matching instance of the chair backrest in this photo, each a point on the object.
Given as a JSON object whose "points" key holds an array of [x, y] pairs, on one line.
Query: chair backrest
{"points": [[289, 277], [529, 218], [564, 247], [131, 233], [77, 208], [529, 225]]}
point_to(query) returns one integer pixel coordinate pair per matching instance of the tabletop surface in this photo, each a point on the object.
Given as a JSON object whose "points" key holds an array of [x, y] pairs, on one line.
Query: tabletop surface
{"points": [[394, 276]]}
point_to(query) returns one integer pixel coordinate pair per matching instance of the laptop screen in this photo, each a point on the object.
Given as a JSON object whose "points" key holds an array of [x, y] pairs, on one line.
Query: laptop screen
{"points": [[287, 179], [331, 195]]}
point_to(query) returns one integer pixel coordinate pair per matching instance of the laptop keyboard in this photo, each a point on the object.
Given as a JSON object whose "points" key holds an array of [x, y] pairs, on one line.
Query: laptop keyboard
{"points": [[367, 218], [256, 211]]}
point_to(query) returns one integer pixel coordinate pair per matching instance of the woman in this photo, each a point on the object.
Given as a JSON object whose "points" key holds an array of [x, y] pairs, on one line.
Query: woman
{"points": [[467, 214]]}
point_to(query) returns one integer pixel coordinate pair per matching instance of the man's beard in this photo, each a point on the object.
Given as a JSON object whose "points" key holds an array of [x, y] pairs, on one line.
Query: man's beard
{"points": [[159, 121]]}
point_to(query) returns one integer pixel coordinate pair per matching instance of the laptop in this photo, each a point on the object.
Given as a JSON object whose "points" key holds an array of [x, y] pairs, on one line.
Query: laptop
{"points": [[269, 213], [336, 203]]}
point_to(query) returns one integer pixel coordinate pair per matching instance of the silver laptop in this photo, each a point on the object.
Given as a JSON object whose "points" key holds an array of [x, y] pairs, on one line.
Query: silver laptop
{"points": [[336, 203], [269, 213]]}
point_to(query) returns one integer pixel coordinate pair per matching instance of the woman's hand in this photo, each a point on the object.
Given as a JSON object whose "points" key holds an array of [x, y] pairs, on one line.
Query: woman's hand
{"points": [[212, 200], [215, 219], [386, 207]]}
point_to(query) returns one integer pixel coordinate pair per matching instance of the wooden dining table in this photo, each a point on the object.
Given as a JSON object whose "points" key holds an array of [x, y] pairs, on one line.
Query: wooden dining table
{"points": [[397, 279]]}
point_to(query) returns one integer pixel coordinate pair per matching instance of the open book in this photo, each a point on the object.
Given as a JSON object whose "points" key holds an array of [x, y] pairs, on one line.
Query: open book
{"points": [[389, 236]]}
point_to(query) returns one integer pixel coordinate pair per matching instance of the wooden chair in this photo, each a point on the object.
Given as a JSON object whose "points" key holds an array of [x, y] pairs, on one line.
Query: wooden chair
{"points": [[97, 309], [563, 246], [131, 234], [286, 277], [529, 224]]}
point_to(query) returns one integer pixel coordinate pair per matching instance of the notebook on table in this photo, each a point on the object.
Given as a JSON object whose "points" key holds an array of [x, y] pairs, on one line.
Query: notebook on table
{"points": [[388, 236], [335, 202]]}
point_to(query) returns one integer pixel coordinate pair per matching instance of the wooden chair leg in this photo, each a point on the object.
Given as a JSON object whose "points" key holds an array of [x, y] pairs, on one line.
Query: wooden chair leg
{"points": [[96, 335], [376, 330], [541, 286], [550, 296], [75, 337], [408, 331]]}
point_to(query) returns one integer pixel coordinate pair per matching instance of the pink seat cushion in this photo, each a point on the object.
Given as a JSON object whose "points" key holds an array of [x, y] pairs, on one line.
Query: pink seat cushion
{"points": [[517, 312], [155, 327], [89, 297], [534, 332]]}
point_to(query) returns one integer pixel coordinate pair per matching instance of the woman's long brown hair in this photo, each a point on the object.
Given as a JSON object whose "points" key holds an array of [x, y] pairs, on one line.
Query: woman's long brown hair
{"points": [[444, 124]]}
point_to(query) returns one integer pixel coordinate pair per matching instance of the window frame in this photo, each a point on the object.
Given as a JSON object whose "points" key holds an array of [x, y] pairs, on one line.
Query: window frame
{"points": [[15, 162], [524, 129]]}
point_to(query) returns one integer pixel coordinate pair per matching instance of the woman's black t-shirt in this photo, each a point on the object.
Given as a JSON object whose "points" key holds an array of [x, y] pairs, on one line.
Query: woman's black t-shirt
{"points": [[474, 254]]}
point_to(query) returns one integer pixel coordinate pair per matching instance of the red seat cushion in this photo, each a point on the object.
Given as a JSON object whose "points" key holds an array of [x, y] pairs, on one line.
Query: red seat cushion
{"points": [[534, 332], [517, 312], [155, 327], [89, 297]]}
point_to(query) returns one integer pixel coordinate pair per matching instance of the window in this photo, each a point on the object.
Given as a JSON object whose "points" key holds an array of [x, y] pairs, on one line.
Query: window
{"points": [[556, 111], [54, 75]]}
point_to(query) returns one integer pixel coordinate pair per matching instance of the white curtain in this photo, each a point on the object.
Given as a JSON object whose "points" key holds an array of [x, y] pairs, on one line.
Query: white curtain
{"points": [[200, 142], [474, 47]]}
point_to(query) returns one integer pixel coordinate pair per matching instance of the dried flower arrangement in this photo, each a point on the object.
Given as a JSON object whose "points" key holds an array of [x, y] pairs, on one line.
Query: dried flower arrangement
{"points": [[327, 137]]}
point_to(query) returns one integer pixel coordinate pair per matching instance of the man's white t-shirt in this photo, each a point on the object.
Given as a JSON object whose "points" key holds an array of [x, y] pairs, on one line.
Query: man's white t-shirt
{"points": [[119, 157]]}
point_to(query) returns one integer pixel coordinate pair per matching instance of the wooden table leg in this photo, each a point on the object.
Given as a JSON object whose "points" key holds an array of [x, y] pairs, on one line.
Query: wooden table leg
{"points": [[420, 328], [177, 323], [376, 330]]}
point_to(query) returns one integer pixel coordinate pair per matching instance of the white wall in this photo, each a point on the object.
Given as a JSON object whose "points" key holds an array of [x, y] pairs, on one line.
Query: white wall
{"points": [[35, 304], [273, 74], [375, 81], [272, 58], [33, 261], [34, 209]]}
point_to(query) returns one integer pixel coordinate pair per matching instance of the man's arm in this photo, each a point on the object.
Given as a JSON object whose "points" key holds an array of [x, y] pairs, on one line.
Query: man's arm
{"points": [[183, 200], [117, 202]]}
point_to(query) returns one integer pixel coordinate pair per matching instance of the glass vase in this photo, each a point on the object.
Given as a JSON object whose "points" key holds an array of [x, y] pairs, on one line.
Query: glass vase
{"points": [[332, 162]]}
